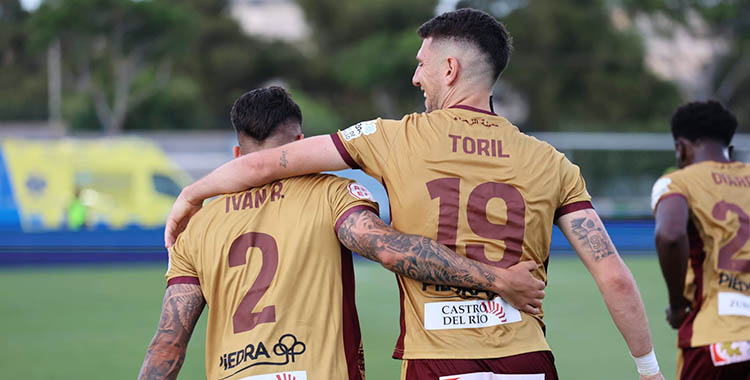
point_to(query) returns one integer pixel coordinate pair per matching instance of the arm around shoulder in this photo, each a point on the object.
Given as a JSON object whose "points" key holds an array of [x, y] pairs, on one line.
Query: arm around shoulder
{"points": [[428, 261]]}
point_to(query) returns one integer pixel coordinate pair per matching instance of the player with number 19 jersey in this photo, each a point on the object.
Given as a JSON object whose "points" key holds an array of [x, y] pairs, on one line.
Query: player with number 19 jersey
{"points": [[278, 284], [718, 275], [469, 179]]}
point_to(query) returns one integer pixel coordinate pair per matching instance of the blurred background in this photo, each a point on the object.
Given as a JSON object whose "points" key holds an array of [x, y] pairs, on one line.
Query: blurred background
{"points": [[109, 107]]}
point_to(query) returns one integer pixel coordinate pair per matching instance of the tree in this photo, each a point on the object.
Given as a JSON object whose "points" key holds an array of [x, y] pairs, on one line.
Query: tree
{"points": [[576, 70], [23, 88], [729, 72], [111, 44], [364, 55]]}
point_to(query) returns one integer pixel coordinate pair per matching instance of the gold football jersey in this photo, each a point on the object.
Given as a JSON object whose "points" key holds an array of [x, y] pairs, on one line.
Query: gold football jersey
{"points": [[470, 180], [718, 277], [278, 283]]}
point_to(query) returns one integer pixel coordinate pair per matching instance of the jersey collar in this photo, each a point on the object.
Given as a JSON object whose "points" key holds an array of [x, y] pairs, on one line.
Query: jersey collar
{"points": [[470, 108]]}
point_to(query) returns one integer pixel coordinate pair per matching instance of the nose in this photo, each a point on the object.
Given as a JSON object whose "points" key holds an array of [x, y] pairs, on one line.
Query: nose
{"points": [[415, 78]]}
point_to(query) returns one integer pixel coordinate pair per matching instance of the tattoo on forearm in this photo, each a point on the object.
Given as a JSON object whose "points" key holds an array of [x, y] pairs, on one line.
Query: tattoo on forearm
{"points": [[593, 236], [183, 304], [283, 161], [418, 257]]}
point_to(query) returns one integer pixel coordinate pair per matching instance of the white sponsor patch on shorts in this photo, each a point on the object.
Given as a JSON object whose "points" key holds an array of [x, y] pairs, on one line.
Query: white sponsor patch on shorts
{"points": [[734, 304], [729, 352], [469, 314], [356, 130], [291, 375], [492, 376], [360, 192]]}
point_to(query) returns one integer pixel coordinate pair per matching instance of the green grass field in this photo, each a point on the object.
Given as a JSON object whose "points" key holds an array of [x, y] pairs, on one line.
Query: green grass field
{"points": [[95, 322]]}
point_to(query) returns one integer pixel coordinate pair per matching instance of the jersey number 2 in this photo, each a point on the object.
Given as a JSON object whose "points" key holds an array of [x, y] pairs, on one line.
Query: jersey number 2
{"points": [[726, 252], [448, 190], [244, 319]]}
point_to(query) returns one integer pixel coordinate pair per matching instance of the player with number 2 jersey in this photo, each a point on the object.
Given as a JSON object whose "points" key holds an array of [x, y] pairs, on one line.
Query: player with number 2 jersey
{"points": [[273, 249], [703, 240]]}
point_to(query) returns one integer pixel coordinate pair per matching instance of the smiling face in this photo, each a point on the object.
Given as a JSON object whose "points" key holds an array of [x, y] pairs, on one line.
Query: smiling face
{"points": [[427, 77]]}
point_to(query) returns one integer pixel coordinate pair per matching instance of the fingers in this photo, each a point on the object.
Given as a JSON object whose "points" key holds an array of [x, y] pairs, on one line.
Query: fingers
{"points": [[528, 265], [169, 229], [540, 284], [530, 309]]}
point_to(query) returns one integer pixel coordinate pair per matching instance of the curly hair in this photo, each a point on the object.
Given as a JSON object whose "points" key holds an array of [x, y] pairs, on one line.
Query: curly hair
{"points": [[704, 120]]}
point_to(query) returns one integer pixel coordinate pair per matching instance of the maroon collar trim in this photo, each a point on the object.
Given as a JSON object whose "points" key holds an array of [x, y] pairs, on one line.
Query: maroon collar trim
{"points": [[470, 108]]}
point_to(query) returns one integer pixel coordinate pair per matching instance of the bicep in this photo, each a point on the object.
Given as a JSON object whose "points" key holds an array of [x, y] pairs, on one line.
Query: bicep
{"points": [[181, 308], [586, 233], [672, 215], [360, 232]]}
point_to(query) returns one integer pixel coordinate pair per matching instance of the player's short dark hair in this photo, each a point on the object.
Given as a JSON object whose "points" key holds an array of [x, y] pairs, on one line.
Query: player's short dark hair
{"points": [[475, 27], [259, 112], [704, 120]]}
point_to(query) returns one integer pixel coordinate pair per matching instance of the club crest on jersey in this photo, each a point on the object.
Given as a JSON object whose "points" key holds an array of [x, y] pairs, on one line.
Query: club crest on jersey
{"points": [[365, 127], [360, 192]]}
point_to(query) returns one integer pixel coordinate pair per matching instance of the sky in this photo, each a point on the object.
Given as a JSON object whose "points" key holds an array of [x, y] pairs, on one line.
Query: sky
{"points": [[30, 4]]}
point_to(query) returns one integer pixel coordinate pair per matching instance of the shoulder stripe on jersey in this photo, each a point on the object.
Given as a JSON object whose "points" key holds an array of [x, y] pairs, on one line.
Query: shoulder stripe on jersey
{"points": [[183, 280], [343, 152], [348, 212], [670, 195], [572, 207], [470, 108]]}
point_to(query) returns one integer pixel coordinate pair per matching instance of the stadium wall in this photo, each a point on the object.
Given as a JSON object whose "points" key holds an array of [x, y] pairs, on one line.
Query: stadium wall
{"points": [[137, 245]]}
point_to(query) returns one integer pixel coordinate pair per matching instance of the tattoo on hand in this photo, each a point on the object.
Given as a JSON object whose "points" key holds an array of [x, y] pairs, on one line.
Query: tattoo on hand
{"points": [[283, 161], [593, 236], [183, 304], [365, 233]]}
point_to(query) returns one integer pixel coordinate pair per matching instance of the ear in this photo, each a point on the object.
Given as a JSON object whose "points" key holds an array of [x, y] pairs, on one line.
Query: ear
{"points": [[236, 151], [683, 151], [299, 137], [452, 67]]}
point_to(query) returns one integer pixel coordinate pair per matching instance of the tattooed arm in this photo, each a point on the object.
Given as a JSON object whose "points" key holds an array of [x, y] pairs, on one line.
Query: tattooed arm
{"points": [[586, 233], [425, 260], [183, 304]]}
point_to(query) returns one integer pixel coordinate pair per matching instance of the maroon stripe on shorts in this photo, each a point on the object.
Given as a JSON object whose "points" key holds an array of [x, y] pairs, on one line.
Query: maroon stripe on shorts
{"points": [[527, 363], [183, 280], [697, 257], [355, 358], [343, 152], [572, 207], [348, 212]]}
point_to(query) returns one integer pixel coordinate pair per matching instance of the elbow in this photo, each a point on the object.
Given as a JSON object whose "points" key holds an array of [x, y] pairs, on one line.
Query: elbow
{"points": [[666, 239], [618, 281], [387, 259]]}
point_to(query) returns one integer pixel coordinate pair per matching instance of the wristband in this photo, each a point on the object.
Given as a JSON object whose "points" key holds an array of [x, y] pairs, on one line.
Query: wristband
{"points": [[647, 364]]}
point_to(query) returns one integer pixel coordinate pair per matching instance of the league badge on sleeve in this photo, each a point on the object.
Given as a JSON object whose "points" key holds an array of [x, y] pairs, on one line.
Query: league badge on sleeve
{"points": [[360, 192], [365, 127]]}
